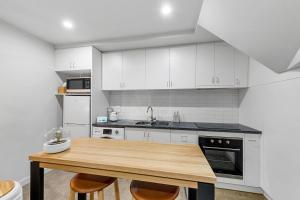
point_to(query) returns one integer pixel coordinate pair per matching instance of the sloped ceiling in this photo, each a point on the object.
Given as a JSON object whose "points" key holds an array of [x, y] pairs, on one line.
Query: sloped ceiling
{"points": [[267, 30]]}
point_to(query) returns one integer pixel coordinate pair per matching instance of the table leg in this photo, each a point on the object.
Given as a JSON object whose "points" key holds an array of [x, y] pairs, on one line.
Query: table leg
{"points": [[36, 181], [205, 191], [81, 196]]}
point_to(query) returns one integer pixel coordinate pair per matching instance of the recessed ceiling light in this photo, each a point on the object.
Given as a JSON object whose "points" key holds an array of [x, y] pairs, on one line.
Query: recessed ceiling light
{"points": [[67, 24], [166, 9]]}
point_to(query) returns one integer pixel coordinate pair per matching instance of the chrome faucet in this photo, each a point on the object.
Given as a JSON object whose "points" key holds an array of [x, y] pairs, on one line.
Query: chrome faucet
{"points": [[152, 118]]}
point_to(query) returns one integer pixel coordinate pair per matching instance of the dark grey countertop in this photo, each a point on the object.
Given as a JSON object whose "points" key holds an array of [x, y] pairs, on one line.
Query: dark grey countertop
{"points": [[196, 126]]}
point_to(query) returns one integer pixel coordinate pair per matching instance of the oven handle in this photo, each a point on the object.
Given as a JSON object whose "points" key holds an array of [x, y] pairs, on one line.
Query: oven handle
{"points": [[220, 148]]}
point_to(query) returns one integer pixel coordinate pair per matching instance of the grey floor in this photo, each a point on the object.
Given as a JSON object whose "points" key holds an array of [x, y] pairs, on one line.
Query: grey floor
{"points": [[57, 188]]}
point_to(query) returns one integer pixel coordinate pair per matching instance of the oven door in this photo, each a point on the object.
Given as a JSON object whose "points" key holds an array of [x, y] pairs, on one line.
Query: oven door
{"points": [[225, 162]]}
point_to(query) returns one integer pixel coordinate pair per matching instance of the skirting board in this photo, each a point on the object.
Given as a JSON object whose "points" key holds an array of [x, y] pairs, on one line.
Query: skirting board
{"points": [[26, 180], [267, 196], [239, 188]]}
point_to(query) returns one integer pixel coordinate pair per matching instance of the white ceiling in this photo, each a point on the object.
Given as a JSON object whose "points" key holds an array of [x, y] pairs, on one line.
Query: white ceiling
{"points": [[103, 22], [267, 30]]}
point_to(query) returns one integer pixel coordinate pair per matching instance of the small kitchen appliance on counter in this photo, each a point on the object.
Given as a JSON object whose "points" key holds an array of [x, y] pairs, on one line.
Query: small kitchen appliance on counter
{"points": [[57, 140], [113, 116]]}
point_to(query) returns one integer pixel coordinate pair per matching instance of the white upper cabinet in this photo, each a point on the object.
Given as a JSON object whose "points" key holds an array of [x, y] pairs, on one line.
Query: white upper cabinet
{"points": [[112, 71], [134, 69], [182, 67], [158, 68], [241, 62], [73, 59], [205, 65], [224, 65]]}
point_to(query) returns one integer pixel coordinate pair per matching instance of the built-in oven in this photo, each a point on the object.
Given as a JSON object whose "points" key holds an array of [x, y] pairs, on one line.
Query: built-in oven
{"points": [[225, 155]]}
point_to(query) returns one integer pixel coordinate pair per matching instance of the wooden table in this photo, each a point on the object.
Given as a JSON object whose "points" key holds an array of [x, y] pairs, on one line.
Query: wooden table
{"points": [[181, 165]]}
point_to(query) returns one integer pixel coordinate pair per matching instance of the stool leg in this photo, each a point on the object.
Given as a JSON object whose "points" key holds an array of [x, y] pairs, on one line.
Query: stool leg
{"points": [[100, 195], [72, 195], [117, 191], [92, 196]]}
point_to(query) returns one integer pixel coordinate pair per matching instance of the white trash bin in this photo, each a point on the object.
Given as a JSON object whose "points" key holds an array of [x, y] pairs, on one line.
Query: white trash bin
{"points": [[15, 194]]}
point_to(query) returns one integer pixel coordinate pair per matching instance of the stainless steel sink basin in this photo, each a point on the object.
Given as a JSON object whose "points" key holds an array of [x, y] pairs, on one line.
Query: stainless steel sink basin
{"points": [[162, 123], [143, 123], [156, 123]]}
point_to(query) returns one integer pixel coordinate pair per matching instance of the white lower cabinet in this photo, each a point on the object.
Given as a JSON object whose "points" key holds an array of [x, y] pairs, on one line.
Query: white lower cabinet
{"points": [[252, 159], [136, 134], [159, 135], [184, 137], [153, 135]]}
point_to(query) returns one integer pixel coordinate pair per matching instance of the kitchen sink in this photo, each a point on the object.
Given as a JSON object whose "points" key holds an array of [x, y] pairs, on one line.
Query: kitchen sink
{"points": [[144, 123], [162, 123], [156, 123]]}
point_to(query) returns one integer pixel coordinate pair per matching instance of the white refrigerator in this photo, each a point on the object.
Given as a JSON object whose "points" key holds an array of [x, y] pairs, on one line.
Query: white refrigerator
{"points": [[76, 115]]}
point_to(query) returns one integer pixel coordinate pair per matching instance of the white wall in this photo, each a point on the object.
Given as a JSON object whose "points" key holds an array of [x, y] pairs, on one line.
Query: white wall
{"points": [[272, 104], [27, 103], [220, 105]]}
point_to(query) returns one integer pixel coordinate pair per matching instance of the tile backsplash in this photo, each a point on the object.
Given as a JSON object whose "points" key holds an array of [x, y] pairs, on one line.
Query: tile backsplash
{"points": [[214, 105]]}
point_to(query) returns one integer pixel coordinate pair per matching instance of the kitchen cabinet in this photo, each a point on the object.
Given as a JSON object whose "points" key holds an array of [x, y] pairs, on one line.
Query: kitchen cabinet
{"points": [[134, 69], [224, 65], [241, 64], [159, 135], [205, 65], [153, 135], [208, 65], [184, 137], [158, 68], [112, 71], [73, 59], [252, 160], [135, 134], [182, 67]]}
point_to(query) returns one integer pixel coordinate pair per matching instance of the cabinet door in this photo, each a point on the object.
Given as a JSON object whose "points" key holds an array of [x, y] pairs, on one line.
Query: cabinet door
{"points": [[157, 68], [224, 65], [182, 66], [63, 60], [205, 67], [112, 71], [252, 160], [82, 58], [136, 134], [241, 64], [134, 69], [159, 135], [184, 137]]}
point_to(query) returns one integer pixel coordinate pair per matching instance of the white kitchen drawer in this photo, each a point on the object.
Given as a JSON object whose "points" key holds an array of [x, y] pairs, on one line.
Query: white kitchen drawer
{"points": [[184, 137]]}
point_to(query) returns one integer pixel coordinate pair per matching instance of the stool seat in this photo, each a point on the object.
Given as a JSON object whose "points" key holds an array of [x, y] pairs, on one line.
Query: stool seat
{"points": [[153, 191], [87, 183]]}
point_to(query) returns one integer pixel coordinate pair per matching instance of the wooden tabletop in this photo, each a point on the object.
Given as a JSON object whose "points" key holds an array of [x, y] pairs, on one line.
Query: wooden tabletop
{"points": [[182, 162], [6, 187]]}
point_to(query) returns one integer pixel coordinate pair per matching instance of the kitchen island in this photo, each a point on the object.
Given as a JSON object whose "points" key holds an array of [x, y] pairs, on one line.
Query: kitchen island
{"points": [[180, 165]]}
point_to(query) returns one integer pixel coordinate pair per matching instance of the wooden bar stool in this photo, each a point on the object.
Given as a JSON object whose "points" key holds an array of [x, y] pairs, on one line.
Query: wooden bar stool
{"points": [[86, 183], [153, 191]]}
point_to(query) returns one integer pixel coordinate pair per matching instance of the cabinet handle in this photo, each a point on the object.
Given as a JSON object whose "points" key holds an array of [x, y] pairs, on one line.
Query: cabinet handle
{"points": [[213, 80]]}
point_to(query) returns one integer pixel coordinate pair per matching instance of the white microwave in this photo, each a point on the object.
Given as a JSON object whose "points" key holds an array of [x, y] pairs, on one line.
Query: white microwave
{"points": [[79, 85]]}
